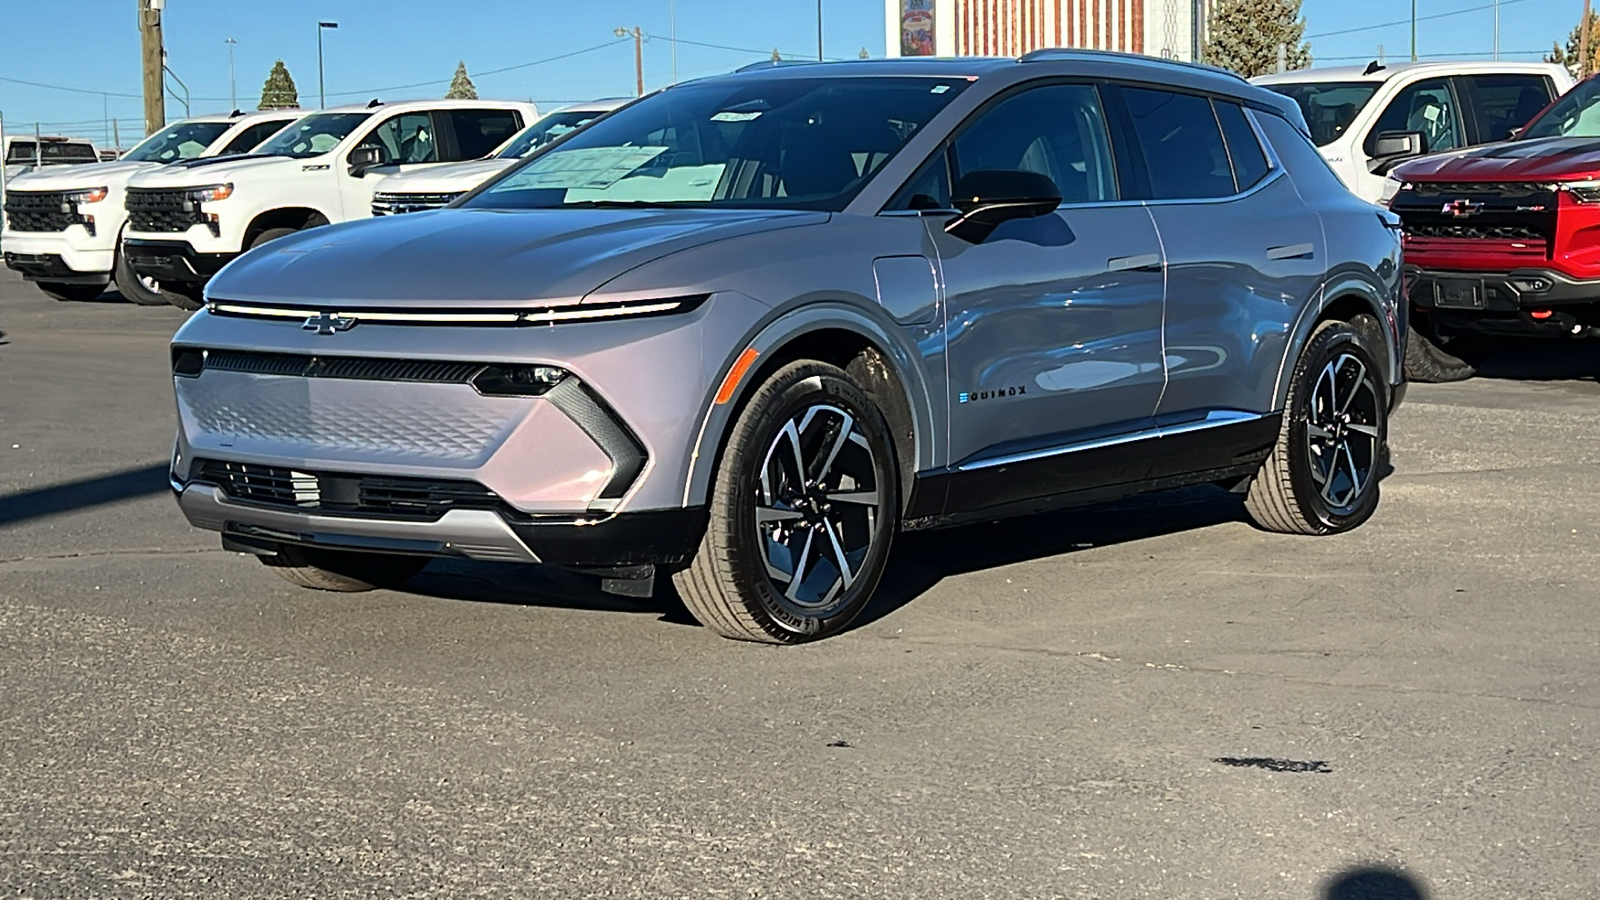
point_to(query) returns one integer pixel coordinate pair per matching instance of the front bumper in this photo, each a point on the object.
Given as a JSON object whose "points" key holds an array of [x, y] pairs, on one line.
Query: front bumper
{"points": [[62, 256], [173, 262]]}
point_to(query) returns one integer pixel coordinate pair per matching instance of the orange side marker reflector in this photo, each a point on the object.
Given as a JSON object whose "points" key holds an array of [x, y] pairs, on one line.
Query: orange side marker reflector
{"points": [[1541, 314], [736, 374]]}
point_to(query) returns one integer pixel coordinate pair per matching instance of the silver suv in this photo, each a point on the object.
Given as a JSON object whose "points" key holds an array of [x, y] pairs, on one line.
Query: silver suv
{"points": [[745, 330]]}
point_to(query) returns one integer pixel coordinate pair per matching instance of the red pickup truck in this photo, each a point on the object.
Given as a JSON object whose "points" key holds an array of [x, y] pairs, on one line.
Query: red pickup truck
{"points": [[1504, 239]]}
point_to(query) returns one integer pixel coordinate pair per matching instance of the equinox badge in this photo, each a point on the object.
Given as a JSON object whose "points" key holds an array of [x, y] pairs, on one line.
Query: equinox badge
{"points": [[328, 323]]}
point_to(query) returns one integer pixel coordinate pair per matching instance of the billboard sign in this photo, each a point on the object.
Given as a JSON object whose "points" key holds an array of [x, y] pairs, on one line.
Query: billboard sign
{"points": [[916, 28]]}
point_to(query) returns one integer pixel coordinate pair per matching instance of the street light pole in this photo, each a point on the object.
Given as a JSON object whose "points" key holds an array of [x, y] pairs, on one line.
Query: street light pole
{"points": [[1413, 30], [322, 89], [819, 30], [672, 18], [233, 93], [638, 53], [1583, 43]]}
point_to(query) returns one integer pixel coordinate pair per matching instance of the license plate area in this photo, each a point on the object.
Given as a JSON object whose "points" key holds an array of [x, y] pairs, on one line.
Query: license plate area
{"points": [[1458, 293]]}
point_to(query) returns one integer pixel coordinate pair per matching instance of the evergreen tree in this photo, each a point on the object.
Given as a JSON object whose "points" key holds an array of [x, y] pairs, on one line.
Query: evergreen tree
{"points": [[776, 56], [279, 92], [864, 54], [461, 87], [1568, 56], [1245, 35]]}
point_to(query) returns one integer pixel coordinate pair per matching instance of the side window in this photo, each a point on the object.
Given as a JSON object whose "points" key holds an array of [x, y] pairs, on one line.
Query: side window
{"points": [[246, 140], [1305, 165], [477, 131], [1244, 148], [406, 138], [1428, 107], [1057, 130], [1182, 144], [1503, 103]]}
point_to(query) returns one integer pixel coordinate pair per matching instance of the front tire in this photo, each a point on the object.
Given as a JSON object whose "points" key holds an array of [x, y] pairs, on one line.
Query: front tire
{"points": [[1427, 362], [804, 506], [139, 289], [342, 571], [1322, 476], [71, 293]]}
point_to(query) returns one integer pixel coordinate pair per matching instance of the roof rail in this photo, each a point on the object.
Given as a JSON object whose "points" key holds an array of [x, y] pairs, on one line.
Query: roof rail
{"points": [[1068, 53], [774, 63]]}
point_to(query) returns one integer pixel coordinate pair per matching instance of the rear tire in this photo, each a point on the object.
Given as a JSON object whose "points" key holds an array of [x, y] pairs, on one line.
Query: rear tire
{"points": [[1322, 476], [71, 293], [804, 506], [1429, 363], [139, 290], [342, 571]]}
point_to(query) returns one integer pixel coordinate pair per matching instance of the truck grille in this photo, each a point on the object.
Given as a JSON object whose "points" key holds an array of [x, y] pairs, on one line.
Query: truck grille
{"points": [[39, 211], [162, 210], [1512, 215], [340, 493], [387, 203]]}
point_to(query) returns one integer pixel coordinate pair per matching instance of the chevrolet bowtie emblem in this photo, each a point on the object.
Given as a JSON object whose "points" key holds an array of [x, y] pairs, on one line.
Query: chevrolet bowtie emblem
{"points": [[1462, 208], [328, 323]]}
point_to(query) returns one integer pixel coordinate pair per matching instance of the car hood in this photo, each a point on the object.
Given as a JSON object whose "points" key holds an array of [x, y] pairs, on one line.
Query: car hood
{"points": [[478, 258], [1539, 159], [218, 169], [448, 178], [80, 177]]}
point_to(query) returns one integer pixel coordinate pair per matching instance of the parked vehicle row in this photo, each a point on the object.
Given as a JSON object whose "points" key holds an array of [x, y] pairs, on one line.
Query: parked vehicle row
{"points": [[743, 331]]}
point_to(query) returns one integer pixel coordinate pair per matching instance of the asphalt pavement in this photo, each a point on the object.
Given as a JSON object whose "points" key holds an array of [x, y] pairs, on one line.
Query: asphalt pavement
{"points": [[1146, 700]]}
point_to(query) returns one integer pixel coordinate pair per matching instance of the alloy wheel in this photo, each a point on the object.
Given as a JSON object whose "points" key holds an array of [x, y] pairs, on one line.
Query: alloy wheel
{"points": [[1342, 431], [818, 507]]}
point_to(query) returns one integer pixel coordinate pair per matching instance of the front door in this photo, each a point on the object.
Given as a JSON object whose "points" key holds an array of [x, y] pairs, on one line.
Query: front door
{"points": [[405, 141]]}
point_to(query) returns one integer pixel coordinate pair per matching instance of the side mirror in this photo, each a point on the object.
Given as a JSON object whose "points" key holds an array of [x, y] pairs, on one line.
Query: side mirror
{"points": [[989, 197], [1394, 147], [366, 157]]}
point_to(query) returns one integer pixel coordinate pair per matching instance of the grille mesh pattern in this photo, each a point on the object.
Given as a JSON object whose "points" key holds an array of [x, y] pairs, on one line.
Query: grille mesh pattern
{"points": [[359, 368], [1478, 232], [388, 203], [38, 211], [156, 211]]}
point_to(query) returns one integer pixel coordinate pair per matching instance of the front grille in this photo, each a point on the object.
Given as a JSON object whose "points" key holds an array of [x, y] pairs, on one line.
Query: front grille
{"points": [[339, 493], [352, 367], [162, 210], [1506, 213], [39, 211], [390, 203]]}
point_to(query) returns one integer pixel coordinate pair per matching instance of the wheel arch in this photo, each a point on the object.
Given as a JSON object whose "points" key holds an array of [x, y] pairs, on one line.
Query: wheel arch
{"points": [[838, 335], [296, 217], [1341, 301]]}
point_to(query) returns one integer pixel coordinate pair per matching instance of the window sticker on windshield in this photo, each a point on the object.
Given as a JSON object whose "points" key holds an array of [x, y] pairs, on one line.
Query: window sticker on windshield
{"points": [[593, 167], [939, 89], [730, 116]]}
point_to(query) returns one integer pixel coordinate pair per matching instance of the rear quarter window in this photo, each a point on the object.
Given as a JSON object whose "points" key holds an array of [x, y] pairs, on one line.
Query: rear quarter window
{"points": [[1305, 165], [1244, 148]]}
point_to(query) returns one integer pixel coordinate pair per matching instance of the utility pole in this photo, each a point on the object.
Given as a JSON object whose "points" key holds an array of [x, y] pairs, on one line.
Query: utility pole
{"points": [[1496, 29], [322, 87], [638, 53], [1414, 30], [819, 30], [233, 93], [672, 18], [153, 59], [1583, 42]]}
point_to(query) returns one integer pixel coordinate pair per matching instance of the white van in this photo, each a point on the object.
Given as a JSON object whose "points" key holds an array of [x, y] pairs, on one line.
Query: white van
{"points": [[63, 222], [1367, 120]]}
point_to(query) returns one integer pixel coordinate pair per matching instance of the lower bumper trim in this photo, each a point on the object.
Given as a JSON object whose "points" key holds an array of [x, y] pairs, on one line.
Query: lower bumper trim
{"points": [[173, 261], [49, 267]]}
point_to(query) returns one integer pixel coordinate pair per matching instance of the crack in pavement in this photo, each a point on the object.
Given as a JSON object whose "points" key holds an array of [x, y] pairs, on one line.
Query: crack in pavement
{"points": [[95, 554]]}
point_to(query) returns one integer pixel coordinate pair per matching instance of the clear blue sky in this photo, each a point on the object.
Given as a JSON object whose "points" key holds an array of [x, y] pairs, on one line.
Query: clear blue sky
{"points": [[94, 45]]}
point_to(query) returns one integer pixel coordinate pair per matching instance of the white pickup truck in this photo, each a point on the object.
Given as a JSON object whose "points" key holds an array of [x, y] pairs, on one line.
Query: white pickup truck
{"points": [[63, 222], [22, 154], [187, 221], [1366, 120], [437, 186]]}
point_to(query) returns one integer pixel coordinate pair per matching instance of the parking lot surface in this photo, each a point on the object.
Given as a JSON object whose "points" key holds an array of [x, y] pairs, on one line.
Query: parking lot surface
{"points": [[1151, 699]]}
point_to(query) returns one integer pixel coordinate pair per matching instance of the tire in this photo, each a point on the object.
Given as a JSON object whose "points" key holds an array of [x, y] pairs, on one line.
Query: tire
{"points": [[70, 293], [764, 513], [1429, 363], [1322, 476], [136, 290], [344, 571], [271, 234]]}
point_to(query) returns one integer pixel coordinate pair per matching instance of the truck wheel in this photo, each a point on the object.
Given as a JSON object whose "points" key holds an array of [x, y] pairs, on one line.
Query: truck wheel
{"points": [[804, 505], [70, 292], [1429, 363], [271, 234], [1322, 477], [187, 297], [136, 288], [344, 571]]}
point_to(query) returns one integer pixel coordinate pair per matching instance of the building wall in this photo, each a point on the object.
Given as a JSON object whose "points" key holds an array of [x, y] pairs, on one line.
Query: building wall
{"points": [[1014, 27]]}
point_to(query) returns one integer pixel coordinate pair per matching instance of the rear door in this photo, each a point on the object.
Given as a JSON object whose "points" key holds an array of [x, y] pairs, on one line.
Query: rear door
{"points": [[1498, 105]]}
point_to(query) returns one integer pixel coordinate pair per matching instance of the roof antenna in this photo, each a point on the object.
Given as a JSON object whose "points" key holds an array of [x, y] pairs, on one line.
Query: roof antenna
{"points": [[236, 114], [375, 103], [1374, 66]]}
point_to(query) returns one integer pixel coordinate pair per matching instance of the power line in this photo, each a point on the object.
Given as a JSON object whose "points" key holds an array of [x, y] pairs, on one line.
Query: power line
{"points": [[537, 62], [1485, 53], [1459, 12]]}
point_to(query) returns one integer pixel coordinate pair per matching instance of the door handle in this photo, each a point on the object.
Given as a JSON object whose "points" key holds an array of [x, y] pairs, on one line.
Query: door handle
{"points": [[1292, 251], [1147, 262]]}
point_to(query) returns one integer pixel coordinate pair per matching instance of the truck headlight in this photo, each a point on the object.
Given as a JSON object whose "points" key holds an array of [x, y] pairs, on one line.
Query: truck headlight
{"points": [[1582, 191], [80, 198], [212, 193]]}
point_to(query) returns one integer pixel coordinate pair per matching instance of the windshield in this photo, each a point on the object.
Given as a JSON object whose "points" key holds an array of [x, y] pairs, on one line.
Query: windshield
{"points": [[775, 143], [184, 140], [544, 131], [313, 135], [1329, 106], [1576, 114]]}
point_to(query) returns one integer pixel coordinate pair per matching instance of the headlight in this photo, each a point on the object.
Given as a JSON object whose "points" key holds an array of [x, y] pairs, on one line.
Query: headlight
{"points": [[1582, 191], [212, 193], [78, 198]]}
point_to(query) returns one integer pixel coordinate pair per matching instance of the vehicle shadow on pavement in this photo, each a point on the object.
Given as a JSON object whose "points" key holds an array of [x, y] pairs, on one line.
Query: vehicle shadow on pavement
{"points": [[83, 493], [1373, 883], [1534, 359], [516, 584], [920, 560]]}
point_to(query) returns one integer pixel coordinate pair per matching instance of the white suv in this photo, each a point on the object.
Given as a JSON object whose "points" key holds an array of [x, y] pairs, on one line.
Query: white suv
{"points": [[438, 186], [185, 222], [1367, 120], [62, 222]]}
